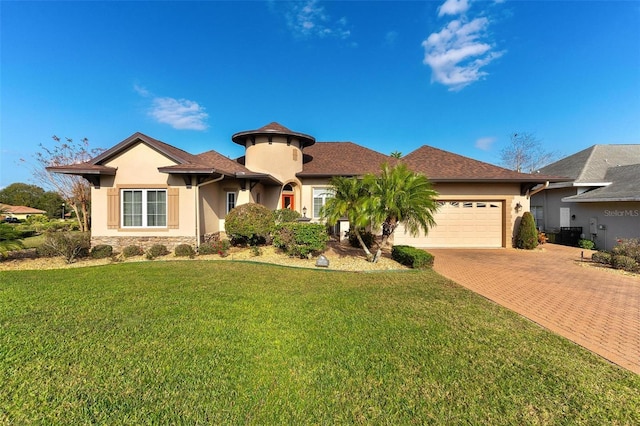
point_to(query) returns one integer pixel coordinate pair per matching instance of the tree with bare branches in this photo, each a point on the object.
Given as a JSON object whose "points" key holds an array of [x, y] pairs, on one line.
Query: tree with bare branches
{"points": [[74, 190], [525, 153]]}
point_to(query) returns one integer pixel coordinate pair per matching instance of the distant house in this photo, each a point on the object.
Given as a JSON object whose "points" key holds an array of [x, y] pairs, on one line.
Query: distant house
{"points": [[601, 201], [19, 212], [145, 191]]}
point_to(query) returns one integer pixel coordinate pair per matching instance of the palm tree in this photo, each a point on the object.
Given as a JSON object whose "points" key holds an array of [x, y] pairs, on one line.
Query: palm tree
{"points": [[399, 195], [348, 199], [396, 154]]}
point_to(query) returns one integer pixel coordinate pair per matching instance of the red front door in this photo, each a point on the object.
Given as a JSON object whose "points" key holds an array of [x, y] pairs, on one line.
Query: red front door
{"points": [[287, 201]]}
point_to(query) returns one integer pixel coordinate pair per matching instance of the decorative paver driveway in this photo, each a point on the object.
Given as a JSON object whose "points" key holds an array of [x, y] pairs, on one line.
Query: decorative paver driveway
{"points": [[594, 307]]}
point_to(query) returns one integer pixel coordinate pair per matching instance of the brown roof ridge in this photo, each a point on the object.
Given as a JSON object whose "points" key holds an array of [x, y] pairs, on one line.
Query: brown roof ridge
{"points": [[178, 155]]}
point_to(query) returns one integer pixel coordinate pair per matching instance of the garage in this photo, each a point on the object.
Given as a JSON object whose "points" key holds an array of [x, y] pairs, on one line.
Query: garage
{"points": [[460, 223]]}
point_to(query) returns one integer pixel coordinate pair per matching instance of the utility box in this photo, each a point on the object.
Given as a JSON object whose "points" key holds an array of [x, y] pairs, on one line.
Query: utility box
{"points": [[593, 225]]}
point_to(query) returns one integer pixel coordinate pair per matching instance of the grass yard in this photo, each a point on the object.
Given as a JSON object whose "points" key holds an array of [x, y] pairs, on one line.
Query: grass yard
{"points": [[242, 343]]}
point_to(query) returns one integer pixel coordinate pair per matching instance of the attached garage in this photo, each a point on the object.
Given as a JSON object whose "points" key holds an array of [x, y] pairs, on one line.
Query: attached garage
{"points": [[461, 223]]}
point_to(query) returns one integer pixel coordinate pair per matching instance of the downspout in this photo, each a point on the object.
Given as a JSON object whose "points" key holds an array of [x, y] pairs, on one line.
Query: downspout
{"points": [[542, 188], [197, 194]]}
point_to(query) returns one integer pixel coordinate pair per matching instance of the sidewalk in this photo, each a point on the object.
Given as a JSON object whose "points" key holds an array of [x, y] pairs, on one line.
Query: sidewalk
{"points": [[596, 308]]}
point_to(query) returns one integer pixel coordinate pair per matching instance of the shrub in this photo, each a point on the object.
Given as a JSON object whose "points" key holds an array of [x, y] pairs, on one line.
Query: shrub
{"points": [[412, 257], [367, 237], [301, 239], [527, 237], [601, 257], [133, 250], [285, 215], [156, 250], [70, 246], [185, 250], [628, 247], [220, 247], [586, 244], [101, 251], [249, 224], [624, 262]]}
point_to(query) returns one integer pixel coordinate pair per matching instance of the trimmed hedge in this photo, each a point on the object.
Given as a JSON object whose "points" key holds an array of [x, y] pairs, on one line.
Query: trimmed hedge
{"points": [[220, 247], [101, 251], [301, 239], [156, 250], [601, 257], [249, 224], [527, 237], [185, 250], [412, 257], [130, 251]]}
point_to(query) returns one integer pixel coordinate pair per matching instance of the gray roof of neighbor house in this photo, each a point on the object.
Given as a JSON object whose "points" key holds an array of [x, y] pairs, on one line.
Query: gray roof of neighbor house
{"points": [[444, 166], [624, 186], [591, 165]]}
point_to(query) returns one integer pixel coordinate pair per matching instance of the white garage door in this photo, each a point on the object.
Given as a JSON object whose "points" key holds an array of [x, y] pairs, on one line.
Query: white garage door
{"points": [[460, 224]]}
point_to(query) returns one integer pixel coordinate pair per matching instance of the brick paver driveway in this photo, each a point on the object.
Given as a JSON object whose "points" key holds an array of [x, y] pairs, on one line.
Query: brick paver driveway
{"points": [[596, 308]]}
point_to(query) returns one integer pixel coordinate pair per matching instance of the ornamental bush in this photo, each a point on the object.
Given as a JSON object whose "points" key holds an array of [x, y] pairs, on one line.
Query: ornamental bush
{"points": [[586, 244], [285, 215], [185, 250], [156, 250], [301, 239], [132, 250], [220, 247], [101, 251], [412, 257], [624, 262], [601, 257], [628, 247], [249, 224], [527, 237], [69, 245]]}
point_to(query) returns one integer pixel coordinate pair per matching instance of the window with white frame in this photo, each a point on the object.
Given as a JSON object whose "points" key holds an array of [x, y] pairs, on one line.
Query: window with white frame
{"points": [[231, 201], [538, 215], [320, 196], [144, 208]]}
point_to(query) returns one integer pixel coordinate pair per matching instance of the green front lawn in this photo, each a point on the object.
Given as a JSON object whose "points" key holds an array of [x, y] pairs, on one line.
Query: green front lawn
{"points": [[230, 342]]}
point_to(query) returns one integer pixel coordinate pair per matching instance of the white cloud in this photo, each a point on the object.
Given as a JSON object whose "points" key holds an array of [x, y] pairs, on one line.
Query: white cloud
{"points": [[458, 52], [309, 19], [181, 114], [485, 144], [453, 7]]}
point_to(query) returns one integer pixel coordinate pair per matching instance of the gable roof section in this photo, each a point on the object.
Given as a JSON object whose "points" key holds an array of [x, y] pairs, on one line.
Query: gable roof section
{"points": [[625, 186], [444, 166], [325, 159], [592, 164]]}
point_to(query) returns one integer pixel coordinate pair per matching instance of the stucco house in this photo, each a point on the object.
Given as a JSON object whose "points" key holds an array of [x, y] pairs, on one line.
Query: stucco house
{"points": [[145, 191], [19, 212], [601, 199]]}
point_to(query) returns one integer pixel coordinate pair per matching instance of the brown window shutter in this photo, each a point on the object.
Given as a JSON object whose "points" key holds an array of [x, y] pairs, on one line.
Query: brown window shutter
{"points": [[173, 208], [113, 208]]}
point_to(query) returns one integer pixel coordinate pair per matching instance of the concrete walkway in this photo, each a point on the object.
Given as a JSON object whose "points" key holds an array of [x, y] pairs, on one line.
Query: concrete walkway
{"points": [[596, 308]]}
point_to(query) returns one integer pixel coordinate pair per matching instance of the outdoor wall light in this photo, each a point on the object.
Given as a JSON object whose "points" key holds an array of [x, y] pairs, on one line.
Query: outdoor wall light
{"points": [[304, 211], [573, 217], [518, 207]]}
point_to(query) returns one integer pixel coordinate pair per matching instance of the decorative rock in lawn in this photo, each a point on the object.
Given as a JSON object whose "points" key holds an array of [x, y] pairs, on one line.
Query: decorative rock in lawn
{"points": [[322, 261]]}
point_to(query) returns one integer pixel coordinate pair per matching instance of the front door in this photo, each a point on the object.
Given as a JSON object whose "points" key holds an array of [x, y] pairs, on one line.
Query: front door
{"points": [[287, 201]]}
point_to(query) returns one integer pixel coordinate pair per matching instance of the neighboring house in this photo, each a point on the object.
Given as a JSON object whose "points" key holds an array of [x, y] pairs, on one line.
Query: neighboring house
{"points": [[19, 212], [145, 191], [601, 201]]}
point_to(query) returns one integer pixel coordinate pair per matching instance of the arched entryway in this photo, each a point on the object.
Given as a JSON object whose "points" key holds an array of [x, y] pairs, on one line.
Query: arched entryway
{"points": [[288, 200]]}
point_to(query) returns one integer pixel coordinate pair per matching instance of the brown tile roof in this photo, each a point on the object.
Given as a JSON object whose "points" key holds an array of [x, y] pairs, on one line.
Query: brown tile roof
{"points": [[7, 208], [443, 166], [342, 159], [272, 128]]}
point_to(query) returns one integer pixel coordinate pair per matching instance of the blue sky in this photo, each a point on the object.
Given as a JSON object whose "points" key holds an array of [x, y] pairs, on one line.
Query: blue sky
{"points": [[460, 75]]}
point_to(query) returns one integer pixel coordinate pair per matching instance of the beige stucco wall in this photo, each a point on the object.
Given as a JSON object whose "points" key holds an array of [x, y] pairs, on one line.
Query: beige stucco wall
{"points": [[137, 168], [277, 158]]}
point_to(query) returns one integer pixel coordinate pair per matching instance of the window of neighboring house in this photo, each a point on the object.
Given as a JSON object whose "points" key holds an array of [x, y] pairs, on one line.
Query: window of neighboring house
{"points": [[144, 208], [320, 197], [231, 201]]}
